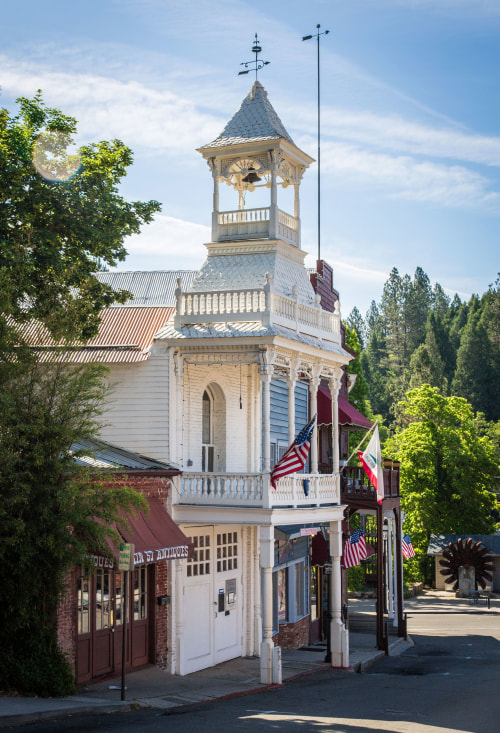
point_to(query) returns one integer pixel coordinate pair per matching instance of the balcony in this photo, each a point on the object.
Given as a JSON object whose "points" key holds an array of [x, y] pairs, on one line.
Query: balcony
{"points": [[355, 485], [254, 490]]}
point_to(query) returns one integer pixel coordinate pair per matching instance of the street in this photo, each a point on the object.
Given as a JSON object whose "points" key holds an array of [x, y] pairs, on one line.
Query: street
{"points": [[449, 681]]}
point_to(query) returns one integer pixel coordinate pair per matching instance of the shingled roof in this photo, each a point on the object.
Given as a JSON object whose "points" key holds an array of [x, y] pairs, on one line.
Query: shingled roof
{"points": [[255, 120]]}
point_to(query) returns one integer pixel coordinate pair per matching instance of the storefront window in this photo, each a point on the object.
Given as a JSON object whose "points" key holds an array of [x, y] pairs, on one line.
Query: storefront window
{"points": [[102, 600], [140, 593], [300, 602], [118, 599], [314, 594], [83, 602], [282, 594]]}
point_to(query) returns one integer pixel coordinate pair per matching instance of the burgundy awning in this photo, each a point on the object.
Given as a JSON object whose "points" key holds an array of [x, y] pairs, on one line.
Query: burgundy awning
{"points": [[348, 415], [155, 536]]}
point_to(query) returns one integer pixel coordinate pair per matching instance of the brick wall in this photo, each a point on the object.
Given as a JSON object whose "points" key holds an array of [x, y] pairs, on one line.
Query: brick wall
{"points": [[153, 487], [293, 636]]}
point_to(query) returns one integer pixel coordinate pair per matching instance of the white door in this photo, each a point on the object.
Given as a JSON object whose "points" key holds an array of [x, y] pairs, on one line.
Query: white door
{"points": [[227, 621], [211, 599]]}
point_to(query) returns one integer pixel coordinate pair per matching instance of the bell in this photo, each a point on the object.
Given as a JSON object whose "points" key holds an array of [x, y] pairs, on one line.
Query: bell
{"points": [[251, 176]]}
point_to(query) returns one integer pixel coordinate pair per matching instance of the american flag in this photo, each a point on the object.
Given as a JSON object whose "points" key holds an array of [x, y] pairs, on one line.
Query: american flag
{"points": [[408, 550], [296, 456], [354, 549]]}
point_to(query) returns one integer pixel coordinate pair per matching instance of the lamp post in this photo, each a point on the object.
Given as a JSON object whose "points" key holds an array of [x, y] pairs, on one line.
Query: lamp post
{"points": [[308, 38]]}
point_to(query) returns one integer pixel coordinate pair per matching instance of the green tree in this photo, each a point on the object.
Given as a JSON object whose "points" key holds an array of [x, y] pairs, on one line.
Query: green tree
{"points": [[416, 308], [356, 323], [57, 230], [475, 373], [61, 219], [52, 511], [447, 468]]}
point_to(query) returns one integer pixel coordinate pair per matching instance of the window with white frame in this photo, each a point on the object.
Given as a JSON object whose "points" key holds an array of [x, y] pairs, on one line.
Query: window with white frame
{"points": [[207, 448]]}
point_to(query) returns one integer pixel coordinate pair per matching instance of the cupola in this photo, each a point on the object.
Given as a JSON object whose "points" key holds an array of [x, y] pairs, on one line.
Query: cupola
{"points": [[254, 151]]}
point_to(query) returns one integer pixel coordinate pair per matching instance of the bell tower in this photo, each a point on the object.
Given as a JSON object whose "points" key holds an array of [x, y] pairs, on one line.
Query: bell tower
{"points": [[255, 151]]}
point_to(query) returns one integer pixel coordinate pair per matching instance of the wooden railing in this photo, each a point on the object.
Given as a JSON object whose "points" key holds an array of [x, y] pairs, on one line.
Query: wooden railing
{"points": [[354, 483]]}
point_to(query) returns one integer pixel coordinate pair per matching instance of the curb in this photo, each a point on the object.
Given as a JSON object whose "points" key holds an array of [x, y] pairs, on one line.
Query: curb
{"points": [[39, 715]]}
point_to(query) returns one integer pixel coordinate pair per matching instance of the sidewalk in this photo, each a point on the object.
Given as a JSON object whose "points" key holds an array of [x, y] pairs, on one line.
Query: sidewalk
{"points": [[155, 688]]}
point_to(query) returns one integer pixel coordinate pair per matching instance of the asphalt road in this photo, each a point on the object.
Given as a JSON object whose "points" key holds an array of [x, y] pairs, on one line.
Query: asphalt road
{"points": [[448, 682]]}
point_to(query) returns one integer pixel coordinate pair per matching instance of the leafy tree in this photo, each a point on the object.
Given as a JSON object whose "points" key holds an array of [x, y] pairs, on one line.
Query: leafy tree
{"points": [[447, 468], [48, 511], [56, 230]]}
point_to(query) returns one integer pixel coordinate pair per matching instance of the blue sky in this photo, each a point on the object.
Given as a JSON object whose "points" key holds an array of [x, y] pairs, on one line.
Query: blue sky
{"points": [[410, 119]]}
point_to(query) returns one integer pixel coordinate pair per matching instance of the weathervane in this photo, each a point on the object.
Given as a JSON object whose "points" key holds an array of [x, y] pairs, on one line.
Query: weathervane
{"points": [[259, 64], [308, 38]]}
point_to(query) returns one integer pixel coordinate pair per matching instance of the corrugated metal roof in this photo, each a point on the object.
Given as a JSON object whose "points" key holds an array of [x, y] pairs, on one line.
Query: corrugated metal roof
{"points": [[438, 542], [255, 120], [151, 288], [125, 336], [107, 456], [134, 326]]}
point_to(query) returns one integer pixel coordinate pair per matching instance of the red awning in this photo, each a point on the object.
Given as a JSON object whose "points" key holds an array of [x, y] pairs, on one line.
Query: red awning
{"points": [[348, 415], [155, 536]]}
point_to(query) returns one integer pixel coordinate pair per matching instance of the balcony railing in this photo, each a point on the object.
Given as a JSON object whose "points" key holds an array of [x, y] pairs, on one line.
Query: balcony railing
{"points": [[354, 483], [257, 305], [255, 223], [254, 490]]}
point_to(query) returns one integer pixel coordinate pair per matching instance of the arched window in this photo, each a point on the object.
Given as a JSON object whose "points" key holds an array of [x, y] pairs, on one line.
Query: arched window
{"points": [[207, 429]]}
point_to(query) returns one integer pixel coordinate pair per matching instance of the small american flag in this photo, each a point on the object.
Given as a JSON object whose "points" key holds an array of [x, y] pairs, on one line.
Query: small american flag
{"points": [[355, 549], [296, 456], [407, 548]]}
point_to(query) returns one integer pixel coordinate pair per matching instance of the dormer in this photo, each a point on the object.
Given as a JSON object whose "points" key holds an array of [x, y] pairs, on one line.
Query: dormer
{"points": [[255, 152]]}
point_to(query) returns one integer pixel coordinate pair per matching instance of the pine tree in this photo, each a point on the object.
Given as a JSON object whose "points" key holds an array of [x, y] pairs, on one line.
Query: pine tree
{"points": [[475, 375]]}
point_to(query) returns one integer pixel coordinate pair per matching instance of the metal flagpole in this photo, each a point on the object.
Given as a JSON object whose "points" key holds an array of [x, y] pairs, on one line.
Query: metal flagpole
{"points": [[307, 38], [363, 440]]}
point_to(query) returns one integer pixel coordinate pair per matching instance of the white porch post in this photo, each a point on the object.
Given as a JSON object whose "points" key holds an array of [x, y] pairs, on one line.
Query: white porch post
{"points": [[270, 656], [334, 385], [266, 371], [313, 409], [291, 382], [178, 661], [339, 636]]}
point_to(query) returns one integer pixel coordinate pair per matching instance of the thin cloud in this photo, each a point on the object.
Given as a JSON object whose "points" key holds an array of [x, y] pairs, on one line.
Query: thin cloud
{"points": [[407, 178]]}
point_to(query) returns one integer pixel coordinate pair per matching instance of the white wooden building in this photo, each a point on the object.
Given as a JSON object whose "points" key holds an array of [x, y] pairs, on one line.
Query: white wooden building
{"points": [[219, 386]]}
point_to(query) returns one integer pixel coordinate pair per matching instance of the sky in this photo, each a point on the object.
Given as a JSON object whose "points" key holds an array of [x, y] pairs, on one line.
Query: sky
{"points": [[410, 103]]}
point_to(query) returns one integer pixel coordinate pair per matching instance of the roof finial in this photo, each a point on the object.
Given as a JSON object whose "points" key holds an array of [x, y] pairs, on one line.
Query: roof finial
{"points": [[259, 64]]}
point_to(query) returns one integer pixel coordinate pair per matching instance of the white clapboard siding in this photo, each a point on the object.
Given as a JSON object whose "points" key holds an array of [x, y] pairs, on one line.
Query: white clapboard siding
{"points": [[136, 413]]}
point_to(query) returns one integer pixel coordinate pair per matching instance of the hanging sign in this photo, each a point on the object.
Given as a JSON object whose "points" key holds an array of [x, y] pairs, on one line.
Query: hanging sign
{"points": [[126, 557], [309, 530]]}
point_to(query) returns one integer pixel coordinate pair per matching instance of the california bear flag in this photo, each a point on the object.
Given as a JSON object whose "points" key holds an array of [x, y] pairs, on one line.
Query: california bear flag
{"points": [[371, 460]]}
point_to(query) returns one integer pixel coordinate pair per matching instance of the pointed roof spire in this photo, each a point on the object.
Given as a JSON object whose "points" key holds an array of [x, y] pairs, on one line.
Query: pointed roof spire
{"points": [[255, 120]]}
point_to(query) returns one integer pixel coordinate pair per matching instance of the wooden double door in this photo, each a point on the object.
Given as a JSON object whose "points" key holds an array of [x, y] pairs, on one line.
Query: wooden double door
{"points": [[100, 602]]}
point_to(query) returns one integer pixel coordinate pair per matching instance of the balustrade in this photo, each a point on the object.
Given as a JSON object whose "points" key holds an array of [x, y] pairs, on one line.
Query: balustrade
{"points": [[254, 490]]}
